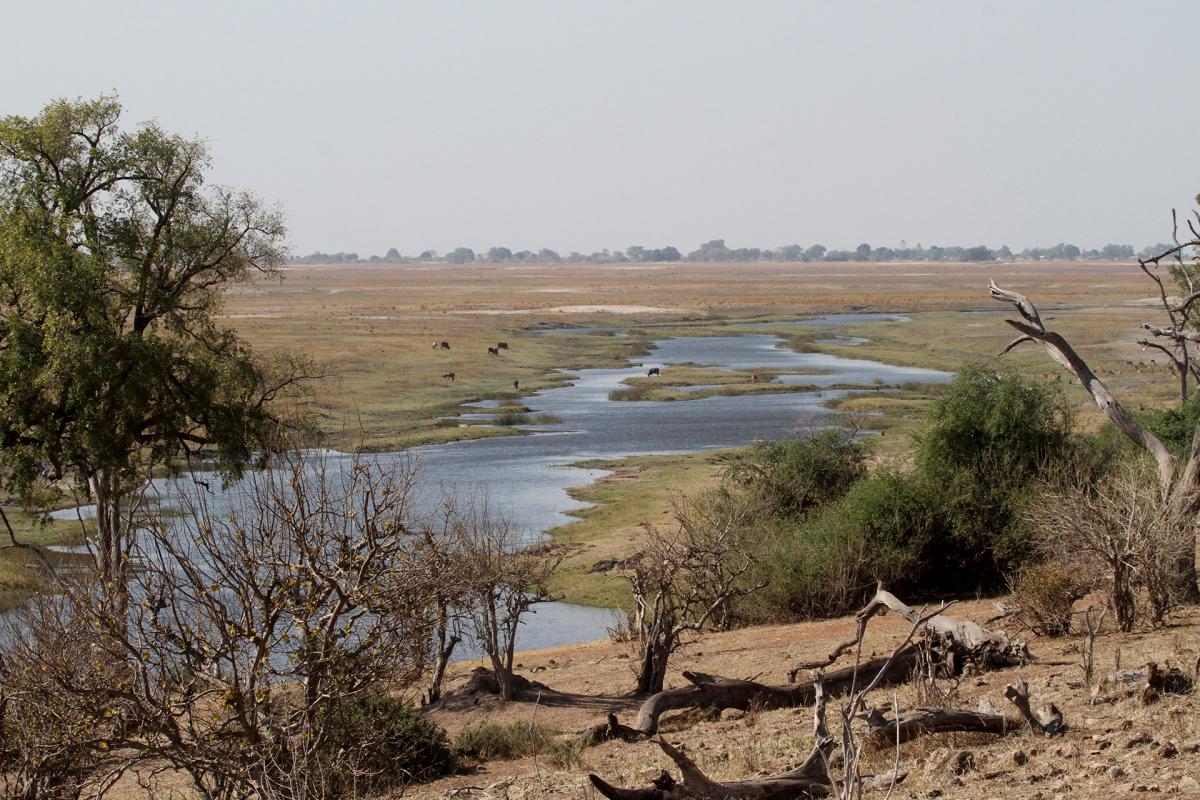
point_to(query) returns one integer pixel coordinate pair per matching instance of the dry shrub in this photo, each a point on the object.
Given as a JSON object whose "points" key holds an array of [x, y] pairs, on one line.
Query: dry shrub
{"points": [[1122, 530], [1045, 593]]}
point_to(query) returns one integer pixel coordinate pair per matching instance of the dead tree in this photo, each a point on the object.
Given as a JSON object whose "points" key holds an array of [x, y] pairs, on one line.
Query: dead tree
{"points": [[1180, 488], [1181, 314], [505, 580], [682, 581]]}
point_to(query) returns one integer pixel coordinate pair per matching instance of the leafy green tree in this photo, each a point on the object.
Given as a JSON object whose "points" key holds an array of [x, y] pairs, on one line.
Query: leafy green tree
{"points": [[114, 252]]}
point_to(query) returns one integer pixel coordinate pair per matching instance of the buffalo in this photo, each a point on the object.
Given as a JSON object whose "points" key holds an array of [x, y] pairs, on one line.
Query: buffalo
{"points": [[650, 373]]}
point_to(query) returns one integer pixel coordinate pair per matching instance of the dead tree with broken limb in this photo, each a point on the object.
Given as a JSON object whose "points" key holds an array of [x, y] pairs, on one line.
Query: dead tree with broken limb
{"points": [[1179, 486]]}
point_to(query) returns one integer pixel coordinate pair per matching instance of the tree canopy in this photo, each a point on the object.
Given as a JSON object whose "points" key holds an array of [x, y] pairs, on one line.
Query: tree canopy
{"points": [[114, 252]]}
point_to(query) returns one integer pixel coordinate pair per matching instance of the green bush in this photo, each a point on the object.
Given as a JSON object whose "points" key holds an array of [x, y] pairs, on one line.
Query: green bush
{"points": [[828, 563], [986, 440], [510, 418], [492, 741], [1174, 425], [384, 743], [795, 475]]}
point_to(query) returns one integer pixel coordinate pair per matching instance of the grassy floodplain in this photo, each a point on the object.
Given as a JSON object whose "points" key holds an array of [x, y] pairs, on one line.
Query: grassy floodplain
{"points": [[373, 326]]}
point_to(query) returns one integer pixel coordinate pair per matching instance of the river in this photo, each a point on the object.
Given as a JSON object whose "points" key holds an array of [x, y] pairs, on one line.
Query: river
{"points": [[528, 477]]}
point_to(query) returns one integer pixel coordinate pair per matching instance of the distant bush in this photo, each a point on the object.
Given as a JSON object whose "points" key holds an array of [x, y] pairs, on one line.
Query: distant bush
{"points": [[404, 747], [510, 418]]}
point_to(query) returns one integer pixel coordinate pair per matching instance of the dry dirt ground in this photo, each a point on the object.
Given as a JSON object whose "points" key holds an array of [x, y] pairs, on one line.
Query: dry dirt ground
{"points": [[1121, 749]]}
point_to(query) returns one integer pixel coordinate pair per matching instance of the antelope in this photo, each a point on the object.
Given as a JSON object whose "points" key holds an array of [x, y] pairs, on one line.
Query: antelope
{"points": [[448, 376]]}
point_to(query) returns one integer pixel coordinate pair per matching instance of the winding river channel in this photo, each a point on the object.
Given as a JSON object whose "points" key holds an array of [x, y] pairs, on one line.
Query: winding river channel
{"points": [[528, 477]]}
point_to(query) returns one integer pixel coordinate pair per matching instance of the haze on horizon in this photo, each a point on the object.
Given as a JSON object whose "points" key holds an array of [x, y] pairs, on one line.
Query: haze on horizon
{"points": [[579, 126]]}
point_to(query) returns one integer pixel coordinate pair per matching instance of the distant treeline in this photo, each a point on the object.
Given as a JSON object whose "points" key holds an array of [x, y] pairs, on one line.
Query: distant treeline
{"points": [[716, 250]]}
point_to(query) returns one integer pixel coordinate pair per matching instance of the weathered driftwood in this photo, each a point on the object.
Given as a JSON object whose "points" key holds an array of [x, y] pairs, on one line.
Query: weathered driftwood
{"points": [[904, 727], [810, 779], [956, 643], [883, 731], [718, 693]]}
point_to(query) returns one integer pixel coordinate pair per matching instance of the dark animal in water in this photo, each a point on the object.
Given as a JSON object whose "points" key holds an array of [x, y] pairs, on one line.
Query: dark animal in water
{"points": [[502, 345], [444, 345], [652, 372], [516, 384], [493, 351], [448, 376]]}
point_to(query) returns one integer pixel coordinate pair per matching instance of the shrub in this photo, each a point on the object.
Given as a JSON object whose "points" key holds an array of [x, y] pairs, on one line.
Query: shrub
{"points": [[510, 418], [985, 440], [378, 743], [494, 741], [1045, 593], [828, 563], [1122, 529], [794, 475]]}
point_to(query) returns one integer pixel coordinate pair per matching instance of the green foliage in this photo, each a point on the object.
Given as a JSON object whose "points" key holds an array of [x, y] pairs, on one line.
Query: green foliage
{"points": [[1174, 425], [494, 741], [794, 475], [114, 253], [510, 418], [825, 564], [953, 523], [377, 743]]}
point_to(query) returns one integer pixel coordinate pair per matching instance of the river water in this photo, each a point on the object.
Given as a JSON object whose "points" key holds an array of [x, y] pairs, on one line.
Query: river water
{"points": [[527, 478]]}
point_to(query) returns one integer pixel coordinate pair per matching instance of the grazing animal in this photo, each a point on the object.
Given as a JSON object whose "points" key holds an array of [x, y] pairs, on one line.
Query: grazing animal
{"points": [[444, 345], [517, 384], [448, 376], [754, 378], [436, 345], [502, 345], [650, 373], [493, 351]]}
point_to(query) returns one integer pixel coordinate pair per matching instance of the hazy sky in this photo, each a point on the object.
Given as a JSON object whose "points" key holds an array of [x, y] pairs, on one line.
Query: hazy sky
{"points": [[581, 125]]}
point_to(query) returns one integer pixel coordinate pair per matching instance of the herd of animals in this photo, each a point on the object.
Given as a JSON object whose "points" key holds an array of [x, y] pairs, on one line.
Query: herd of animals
{"points": [[495, 351], [492, 351]]}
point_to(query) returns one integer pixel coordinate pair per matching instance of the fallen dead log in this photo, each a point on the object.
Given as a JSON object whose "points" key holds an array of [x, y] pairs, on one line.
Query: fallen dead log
{"points": [[882, 731], [718, 693], [810, 779], [904, 727]]}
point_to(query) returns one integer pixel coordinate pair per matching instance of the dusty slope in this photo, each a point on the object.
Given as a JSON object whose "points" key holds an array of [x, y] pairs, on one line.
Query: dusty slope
{"points": [[1112, 750]]}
